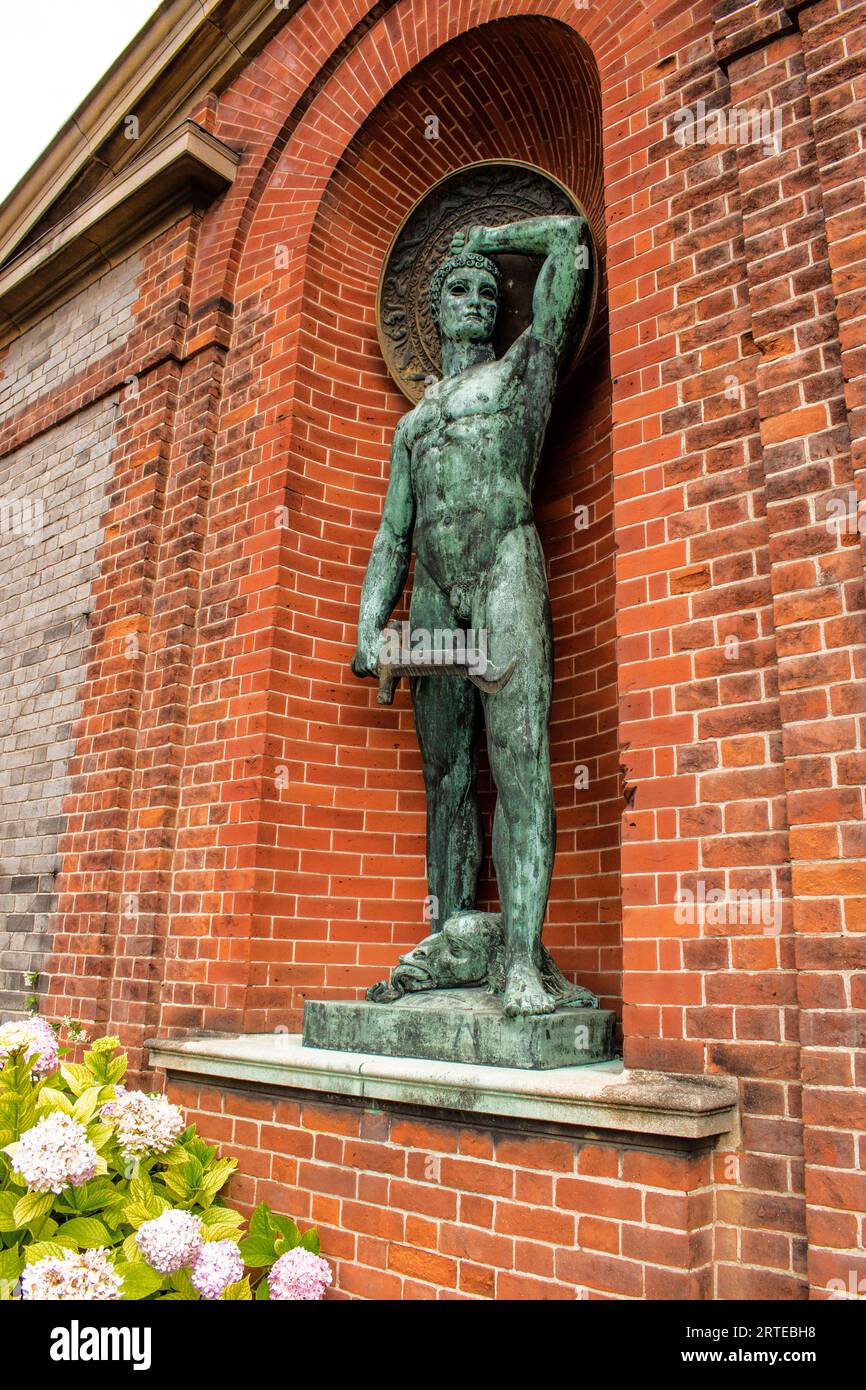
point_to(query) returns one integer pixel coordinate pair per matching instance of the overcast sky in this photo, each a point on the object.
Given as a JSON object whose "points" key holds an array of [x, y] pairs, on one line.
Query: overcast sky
{"points": [[54, 53]]}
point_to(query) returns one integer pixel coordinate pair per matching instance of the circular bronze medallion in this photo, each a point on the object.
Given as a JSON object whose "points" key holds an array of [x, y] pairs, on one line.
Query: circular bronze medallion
{"points": [[491, 193]]}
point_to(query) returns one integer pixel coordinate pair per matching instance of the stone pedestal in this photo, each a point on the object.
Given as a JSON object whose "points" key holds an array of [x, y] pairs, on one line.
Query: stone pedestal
{"points": [[461, 1025]]}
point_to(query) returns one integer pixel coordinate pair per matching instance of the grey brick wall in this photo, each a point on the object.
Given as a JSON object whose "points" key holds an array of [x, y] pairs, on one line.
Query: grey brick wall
{"points": [[74, 336], [52, 498]]}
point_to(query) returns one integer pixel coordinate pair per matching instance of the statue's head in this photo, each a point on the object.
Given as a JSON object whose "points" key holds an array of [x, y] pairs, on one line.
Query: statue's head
{"points": [[464, 297], [459, 954]]}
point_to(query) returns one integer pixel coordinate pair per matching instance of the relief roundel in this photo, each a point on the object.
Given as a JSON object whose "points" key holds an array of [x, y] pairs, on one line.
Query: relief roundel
{"points": [[491, 193]]}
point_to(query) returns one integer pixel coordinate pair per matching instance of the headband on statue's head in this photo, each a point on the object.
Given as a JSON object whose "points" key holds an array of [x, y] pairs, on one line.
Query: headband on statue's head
{"points": [[461, 260]]}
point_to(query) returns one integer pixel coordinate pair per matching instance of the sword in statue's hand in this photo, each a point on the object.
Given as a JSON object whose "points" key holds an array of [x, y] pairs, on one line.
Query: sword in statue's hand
{"points": [[427, 662]]}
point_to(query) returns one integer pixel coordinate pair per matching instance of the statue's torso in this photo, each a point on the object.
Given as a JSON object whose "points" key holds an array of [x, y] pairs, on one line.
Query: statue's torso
{"points": [[473, 443]]}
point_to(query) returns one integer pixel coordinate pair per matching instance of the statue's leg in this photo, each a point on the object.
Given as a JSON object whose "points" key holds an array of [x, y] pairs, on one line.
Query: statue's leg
{"points": [[447, 720], [517, 619]]}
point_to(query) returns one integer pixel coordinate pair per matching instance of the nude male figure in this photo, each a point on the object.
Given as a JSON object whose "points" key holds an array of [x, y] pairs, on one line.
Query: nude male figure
{"points": [[463, 464]]}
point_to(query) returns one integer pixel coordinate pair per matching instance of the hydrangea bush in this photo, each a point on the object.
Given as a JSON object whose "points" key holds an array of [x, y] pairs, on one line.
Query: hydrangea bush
{"points": [[106, 1193]]}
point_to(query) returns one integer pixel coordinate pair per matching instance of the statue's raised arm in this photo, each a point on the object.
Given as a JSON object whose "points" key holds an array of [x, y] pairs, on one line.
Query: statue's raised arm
{"points": [[560, 281]]}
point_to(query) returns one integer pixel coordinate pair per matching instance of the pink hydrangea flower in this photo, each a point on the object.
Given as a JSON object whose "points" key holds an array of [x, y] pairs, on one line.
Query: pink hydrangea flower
{"points": [[53, 1154], [38, 1039], [146, 1124], [171, 1241], [76, 1274], [218, 1264], [299, 1274]]}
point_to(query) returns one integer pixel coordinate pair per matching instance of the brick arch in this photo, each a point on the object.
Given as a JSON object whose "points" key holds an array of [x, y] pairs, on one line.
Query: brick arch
{"points": [[262, 903], [386, 42], [319, 862]]}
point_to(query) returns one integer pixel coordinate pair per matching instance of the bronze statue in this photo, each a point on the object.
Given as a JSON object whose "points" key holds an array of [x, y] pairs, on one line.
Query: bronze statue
{"points": [[463, 463]]}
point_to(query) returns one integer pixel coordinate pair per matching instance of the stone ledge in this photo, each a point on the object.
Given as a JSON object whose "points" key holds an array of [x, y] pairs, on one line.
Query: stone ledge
{"points": [[601, 1096]]}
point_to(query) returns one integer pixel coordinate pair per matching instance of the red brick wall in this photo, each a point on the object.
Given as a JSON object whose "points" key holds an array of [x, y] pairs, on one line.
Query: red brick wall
{"points": [[416, 1208], [195, 892]]}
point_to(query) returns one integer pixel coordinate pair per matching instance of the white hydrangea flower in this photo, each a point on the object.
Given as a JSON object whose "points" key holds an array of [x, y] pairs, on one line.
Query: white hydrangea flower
{"points": [[218, 1264], [299, 1276], [171, 1241], [38, 1039], [53, 1154], [146, 1124], [76, 1274]]}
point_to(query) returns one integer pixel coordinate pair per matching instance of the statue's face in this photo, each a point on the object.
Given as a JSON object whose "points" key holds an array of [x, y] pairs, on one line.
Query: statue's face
{"points": [[467, 308], [457, 955]]}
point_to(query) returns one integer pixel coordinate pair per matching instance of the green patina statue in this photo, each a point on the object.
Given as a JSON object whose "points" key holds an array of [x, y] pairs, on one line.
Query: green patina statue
{"points": [[463, 463]]}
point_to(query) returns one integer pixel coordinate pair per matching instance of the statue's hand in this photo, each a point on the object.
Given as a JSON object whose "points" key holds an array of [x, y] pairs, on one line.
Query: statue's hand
{"points": [[365, 662], [472, 239]]}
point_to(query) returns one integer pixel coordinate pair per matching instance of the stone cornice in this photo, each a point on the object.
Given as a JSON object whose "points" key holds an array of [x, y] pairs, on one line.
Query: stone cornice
{"points": [[600, 1097], [187, 48], [186, 168]]}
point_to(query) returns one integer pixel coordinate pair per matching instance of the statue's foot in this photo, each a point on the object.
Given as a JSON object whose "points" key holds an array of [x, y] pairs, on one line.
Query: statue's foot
{"points": [[524, 992]]}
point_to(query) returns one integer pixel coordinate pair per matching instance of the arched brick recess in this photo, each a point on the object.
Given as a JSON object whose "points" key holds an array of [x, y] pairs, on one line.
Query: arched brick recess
{"points": [[255, 409], [362, 848]]}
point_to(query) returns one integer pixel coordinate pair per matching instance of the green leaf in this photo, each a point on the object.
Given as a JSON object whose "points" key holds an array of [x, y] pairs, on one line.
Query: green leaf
{"points": [[52, 1099], [182, 1284], [258, 1251], [85, 1107], [262, 1291], [196, 1146], [287, 1229], [31, 1206], [115, 1070], [130, 1249], [220, 1230], [136, 1214], [77, 1077], [18, 1112], [183, 1179], [40, 1249], [144, 1202], [86, 1231], [98, 1193], [188, 1145], [220, 1218], [260, 1221], [114, 1216], [241, 1290], [139, 1280], [11, 1263], [8, 1201], [105, 1064], [215, 1178], [100, 1134], [310, 1241], [141, 1187]]}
